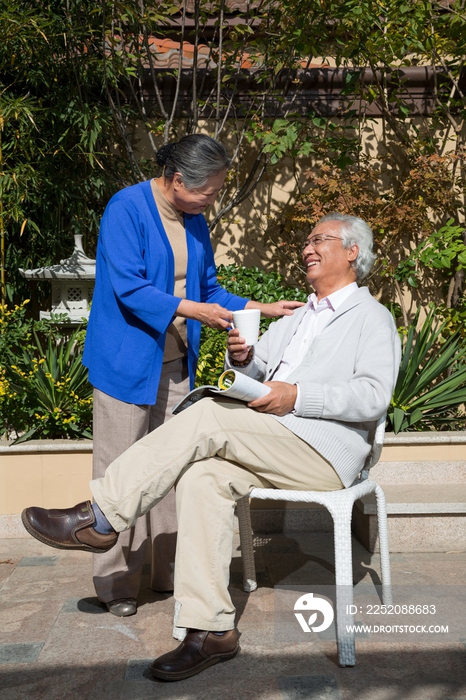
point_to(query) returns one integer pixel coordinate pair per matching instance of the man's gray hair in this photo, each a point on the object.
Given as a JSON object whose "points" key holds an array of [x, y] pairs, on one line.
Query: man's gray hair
{"points": [[355, 231], [197, 157]]}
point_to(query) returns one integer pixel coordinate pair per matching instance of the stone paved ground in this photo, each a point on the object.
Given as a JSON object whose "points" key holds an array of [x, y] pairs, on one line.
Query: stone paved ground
{"points": [[57, 642]]}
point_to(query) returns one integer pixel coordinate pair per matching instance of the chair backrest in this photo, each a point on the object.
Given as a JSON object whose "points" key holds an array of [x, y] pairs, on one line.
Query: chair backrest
{"points": [[377, 438]]}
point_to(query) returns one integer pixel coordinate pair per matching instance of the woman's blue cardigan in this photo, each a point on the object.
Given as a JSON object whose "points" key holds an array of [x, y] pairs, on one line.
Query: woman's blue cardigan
{"points": [[133, 302]]}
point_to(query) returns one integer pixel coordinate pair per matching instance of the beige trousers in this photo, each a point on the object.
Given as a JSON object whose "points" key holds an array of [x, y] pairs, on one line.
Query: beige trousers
{"points": [[214, 452], [118, 425]]}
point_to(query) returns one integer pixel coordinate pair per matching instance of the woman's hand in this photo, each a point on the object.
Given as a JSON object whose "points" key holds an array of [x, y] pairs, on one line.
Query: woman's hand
{"points": [[211, 315], [277, 308], [236, 347]]}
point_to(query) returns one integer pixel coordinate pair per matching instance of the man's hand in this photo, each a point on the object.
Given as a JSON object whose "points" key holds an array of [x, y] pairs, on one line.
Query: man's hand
{"points": [[212, 315], [277, 308], [280, 400], [236, 347]]}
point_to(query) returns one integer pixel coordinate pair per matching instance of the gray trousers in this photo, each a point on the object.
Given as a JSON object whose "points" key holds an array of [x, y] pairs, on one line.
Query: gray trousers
{"points": [[117, 426]]}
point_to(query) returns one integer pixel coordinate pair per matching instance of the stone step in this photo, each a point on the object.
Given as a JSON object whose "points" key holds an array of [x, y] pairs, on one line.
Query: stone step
{"points": [[423, 472], [422, 458], [425, 499], [421, 518]]}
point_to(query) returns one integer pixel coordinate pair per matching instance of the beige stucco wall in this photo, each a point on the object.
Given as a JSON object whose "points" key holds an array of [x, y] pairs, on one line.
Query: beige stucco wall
{"points": [[46, 479], [424, 453], [52, 479]]}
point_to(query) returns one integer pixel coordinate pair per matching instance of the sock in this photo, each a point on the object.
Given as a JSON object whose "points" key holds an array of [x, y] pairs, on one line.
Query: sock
{"points": [[101, 523]]}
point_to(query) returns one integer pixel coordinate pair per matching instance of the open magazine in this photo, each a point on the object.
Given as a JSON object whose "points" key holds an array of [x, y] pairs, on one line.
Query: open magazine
{"points": [[232, 384]]}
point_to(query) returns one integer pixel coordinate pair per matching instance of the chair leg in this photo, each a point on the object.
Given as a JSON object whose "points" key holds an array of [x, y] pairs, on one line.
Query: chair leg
{"points": [[247, 550], [344, 583], [383, 544]]}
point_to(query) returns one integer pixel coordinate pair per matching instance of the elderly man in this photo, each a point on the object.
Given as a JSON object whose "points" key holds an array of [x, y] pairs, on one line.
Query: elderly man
{"points": [[331, 367]]}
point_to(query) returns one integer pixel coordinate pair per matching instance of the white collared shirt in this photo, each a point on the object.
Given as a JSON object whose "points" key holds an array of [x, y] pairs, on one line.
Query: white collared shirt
{"points": [[315, 318]]}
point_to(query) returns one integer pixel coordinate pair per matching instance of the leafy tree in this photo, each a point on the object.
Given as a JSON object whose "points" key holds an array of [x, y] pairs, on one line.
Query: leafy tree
{"points": [[83, 87], [242, 84], [401, 218], [89, 92], [57, 153], [409, 178]]}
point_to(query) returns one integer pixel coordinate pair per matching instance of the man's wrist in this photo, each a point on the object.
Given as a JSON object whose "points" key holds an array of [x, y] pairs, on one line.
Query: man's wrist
{"points": [[246, 361]]}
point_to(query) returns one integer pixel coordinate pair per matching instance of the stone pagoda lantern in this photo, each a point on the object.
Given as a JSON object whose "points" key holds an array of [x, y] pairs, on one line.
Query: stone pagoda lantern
{"points": [[72, 285]]}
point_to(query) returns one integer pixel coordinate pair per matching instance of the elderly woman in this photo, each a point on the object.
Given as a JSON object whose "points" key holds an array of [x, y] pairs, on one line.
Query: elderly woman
{"points": [[155, 284]]}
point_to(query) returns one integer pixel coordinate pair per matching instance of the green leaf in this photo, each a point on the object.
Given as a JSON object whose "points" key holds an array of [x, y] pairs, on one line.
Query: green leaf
{"points": [[398, 418], [279, 124]]}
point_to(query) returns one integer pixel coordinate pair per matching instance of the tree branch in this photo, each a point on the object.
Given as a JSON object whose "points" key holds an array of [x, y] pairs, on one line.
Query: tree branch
{"points": [[248, 186]]}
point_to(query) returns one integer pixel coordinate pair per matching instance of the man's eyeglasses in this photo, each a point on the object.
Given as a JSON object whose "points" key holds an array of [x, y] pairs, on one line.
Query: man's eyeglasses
{"points": [[316, 241]]}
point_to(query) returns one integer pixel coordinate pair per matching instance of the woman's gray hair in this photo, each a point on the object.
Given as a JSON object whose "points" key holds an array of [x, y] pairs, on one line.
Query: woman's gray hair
{"points": [[356, 231], [196, 157]]}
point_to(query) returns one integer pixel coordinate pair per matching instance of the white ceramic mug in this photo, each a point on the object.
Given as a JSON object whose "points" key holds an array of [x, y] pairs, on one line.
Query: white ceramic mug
{"points": [[247, 322]]}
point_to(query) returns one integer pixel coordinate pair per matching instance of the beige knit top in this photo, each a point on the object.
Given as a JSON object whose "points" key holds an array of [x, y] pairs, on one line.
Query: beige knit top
{"points": [[173, 222]]}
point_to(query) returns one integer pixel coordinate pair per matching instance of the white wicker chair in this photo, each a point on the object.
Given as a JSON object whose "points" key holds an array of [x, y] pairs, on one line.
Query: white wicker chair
{"points": [[340, 505]]}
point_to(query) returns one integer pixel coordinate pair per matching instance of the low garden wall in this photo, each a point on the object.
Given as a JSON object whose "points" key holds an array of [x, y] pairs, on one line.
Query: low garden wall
{"points": [[46, 473], [423, 476]]}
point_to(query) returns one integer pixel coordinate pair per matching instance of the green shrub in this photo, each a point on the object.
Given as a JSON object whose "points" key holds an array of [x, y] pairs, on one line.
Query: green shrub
{"points": [[250, 282], [16, 331], [430, 392], [44, 391]]}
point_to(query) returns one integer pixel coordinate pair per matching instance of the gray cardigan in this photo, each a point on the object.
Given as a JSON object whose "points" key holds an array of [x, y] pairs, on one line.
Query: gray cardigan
{"points": [[346, 379]]}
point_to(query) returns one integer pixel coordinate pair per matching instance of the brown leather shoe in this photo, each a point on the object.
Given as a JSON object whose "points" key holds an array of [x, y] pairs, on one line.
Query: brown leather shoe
{"points": [[199, 650], [68, 528]]}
